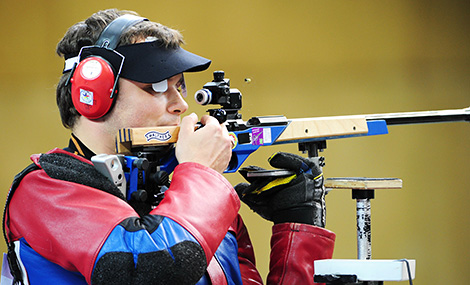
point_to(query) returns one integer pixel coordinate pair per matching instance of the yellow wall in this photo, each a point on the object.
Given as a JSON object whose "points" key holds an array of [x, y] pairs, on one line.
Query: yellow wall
{"points": [[305, 58]]}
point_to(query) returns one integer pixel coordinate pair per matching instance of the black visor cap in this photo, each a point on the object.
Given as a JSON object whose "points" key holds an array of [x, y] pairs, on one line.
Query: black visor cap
{"points": [[152, 62]]}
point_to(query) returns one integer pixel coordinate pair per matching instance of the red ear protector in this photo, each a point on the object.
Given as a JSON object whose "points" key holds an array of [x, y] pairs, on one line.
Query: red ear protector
{"points": [[95, 78], [93, 87]]}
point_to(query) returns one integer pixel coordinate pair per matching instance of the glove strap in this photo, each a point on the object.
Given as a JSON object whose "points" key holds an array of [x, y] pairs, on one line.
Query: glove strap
{"points": [[303, 215]]}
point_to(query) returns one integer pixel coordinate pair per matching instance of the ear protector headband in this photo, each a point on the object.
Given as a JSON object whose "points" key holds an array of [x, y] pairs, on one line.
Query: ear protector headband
{"points": [[95, 77]]}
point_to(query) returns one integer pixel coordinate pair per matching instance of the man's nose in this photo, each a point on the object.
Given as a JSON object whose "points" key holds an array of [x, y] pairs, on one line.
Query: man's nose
{"points": [[177, 104]]}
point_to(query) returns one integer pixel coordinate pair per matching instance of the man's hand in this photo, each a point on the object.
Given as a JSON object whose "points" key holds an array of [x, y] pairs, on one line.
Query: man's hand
{"points": [[210, 145], [298, 197]]}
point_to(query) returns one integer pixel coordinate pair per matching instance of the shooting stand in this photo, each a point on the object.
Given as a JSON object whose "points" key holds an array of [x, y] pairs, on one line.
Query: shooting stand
{"points": [[363, 270]]}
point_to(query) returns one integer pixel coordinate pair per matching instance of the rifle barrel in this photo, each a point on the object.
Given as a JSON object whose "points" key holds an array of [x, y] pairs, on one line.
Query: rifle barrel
{"points": [[408, 118]]}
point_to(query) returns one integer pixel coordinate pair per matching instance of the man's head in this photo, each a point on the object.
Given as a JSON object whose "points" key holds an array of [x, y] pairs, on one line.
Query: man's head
{"points": [[144, 54]]}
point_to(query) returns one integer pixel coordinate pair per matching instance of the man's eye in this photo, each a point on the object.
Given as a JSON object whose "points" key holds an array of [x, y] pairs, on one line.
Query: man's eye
{"points": [[181, 87]]}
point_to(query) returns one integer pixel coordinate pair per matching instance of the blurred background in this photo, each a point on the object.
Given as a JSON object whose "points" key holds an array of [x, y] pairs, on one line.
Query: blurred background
{"points": [[305, 58]]}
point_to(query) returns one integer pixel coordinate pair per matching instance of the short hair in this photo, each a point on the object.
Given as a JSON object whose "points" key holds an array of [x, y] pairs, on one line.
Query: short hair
{"points": [[86, 33]]}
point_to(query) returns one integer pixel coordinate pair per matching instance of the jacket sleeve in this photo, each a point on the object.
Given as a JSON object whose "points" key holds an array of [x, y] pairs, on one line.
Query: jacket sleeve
{"points": [[87, 230], [203, 202], [246, 255], [294, 248]]}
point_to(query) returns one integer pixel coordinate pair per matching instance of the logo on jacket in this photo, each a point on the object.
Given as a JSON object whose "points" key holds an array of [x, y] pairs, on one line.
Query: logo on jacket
{"points": [[154, 135]]}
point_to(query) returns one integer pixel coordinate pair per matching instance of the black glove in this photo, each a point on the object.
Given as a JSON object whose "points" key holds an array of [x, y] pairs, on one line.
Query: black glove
{"points": [[298, 197]]}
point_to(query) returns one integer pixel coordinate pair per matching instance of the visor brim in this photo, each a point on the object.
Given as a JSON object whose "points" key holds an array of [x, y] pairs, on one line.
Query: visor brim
{"points": [[151, 62]]}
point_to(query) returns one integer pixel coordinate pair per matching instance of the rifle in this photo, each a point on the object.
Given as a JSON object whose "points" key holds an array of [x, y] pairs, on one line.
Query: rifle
{"points": [[148, 153]]}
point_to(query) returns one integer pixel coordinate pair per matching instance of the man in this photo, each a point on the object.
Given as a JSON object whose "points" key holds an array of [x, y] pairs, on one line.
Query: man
{"points": [[67, 224]]}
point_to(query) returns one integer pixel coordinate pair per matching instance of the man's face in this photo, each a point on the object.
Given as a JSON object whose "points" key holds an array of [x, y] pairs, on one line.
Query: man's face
{"points": [[138, 105]]}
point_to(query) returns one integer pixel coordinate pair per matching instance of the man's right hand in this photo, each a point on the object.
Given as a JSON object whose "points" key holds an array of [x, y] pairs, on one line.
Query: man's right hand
{"points": [[210, 146]]}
